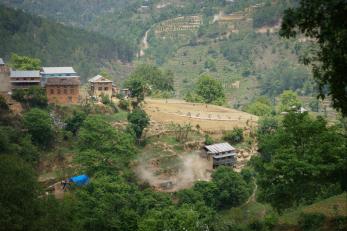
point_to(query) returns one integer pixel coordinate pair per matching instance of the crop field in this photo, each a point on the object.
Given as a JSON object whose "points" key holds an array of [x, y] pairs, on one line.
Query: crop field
{"points": [[209, 118]]}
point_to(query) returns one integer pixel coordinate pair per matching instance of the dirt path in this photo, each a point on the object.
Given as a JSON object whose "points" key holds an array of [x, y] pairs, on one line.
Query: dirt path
{"points": [[144, 43], [252, 198]]}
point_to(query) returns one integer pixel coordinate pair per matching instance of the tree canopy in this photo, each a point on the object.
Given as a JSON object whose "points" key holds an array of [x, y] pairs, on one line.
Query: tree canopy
{"points": [[138, 120], [301, 160], [210, 90], [24, 62], [40, 127], [325, 22]]}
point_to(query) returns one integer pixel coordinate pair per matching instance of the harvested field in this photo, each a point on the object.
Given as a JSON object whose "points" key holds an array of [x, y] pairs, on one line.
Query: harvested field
{"points": [[210, 118]]}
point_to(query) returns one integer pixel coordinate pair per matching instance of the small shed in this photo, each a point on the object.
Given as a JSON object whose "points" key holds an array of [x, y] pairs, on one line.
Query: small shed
{"points": [[221, 154]]}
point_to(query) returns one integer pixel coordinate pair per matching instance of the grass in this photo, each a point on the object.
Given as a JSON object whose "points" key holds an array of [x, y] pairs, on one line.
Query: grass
{"points": [[245, 214], [115, 117], [330, 207]]}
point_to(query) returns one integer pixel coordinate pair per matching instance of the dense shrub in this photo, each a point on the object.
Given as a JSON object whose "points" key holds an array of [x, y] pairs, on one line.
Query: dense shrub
{"points": [[311, 221], [234, 136]]}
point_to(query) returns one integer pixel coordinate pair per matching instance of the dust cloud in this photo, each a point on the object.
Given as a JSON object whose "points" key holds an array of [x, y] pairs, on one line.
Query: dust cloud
{"points": [[192, 167]]}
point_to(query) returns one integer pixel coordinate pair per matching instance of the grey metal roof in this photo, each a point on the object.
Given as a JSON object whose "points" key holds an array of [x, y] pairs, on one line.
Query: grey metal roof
{"points": [[21, 74], [2, 61], [99, 78], [58, 70], [218, 148]]}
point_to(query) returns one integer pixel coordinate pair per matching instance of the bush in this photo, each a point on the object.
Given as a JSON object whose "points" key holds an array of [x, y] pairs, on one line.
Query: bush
{"points": [[3, 104], [208, 140], [32, 97], [311, 222], [40, 127], [124, 104], [235, 136]]}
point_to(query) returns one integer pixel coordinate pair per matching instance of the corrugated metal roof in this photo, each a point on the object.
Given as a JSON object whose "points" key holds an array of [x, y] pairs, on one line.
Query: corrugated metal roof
{"points": [[21, 74], [99, 78], [58, 70], [63, 81], [2, 61], [218, 148]]}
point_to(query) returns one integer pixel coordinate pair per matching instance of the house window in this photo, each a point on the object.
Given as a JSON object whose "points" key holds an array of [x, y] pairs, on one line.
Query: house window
{"points": [[72, 91], [52, 91], [58, 91], [106, 88], [24, 78], [69, 99], [65, 91], [100, 88]]}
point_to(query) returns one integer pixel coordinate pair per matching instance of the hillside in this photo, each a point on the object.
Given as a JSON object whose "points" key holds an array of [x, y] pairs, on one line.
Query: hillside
{"points": [[56, 44]]}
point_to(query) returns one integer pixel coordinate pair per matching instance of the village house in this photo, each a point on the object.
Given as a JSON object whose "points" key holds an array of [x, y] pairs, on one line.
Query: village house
{"points": [[62, 84], [4, 77], [221, 154], [57, 72], [100, 85], [24, 79], [63, 90]]}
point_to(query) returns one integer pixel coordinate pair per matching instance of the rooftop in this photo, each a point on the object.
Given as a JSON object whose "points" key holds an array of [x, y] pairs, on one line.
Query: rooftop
{"points": [[28, 74], [99, 78], [218, 148], [2, 61], [58, 70], [63, 81]]}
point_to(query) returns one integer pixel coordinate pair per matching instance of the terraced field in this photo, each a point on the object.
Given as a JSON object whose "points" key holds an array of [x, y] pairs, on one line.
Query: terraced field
{"points": [[210, 118]]}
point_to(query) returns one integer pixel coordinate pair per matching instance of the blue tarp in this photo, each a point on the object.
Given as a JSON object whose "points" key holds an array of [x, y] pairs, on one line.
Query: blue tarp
{"points": [[80, 180]]}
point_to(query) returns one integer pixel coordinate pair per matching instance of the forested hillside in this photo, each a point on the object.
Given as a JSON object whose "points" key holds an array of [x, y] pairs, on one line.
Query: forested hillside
{"points": [[56, 44]]}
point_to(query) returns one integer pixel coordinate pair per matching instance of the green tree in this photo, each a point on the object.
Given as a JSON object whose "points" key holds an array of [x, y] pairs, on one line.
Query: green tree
{"points": [[19, 193], [138, 89], [321, 20], [302, 160], [232, 188], [3, 105], [234, 136], [138, 120], [259, 107], [171, 218], [289, 101], [75, 122], [147, 78], [210, 90], [32, 97], [40, 127], [24, 62]]}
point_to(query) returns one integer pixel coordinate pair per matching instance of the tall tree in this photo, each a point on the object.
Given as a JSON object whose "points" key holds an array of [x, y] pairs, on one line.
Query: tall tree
{"points": [[40, 127], [24, 62], [138, 120], [302, 160], [210, 90], [326, 22], [18, 194]]}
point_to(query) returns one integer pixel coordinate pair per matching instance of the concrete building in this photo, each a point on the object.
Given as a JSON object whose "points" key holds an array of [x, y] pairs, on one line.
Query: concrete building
{"points": [[100, 85], [63, 90], [5, 85], [57, 72], [24, 79], [221, 154]]}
